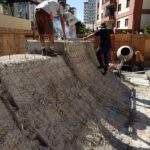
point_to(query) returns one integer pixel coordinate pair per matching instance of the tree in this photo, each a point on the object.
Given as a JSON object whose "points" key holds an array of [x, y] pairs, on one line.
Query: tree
{"points": [[147, 29], [81, 28]]}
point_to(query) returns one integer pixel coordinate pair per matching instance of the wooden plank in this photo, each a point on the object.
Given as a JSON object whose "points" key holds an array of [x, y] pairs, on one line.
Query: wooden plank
{"points": [[12, 41]]}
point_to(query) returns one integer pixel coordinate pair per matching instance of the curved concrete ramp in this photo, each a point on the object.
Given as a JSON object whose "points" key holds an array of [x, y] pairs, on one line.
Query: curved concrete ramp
{"points": [[62, 103]]}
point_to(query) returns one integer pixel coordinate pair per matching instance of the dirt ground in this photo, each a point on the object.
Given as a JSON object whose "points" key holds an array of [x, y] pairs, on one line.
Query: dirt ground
{"points": [[65, 103]]}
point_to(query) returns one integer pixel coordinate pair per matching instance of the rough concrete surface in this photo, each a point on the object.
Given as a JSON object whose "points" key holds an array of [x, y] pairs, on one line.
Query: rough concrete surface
{"points": [[65, 103]]}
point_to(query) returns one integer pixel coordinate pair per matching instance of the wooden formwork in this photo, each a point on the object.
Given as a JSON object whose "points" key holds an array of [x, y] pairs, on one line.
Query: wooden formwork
{"points": [[12, 41], [121, 40], [147, 50], [136, 42], [118, 40]]}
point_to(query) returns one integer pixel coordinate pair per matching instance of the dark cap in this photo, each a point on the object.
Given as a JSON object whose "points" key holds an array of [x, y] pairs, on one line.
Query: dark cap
{"points": [[103, 25]]}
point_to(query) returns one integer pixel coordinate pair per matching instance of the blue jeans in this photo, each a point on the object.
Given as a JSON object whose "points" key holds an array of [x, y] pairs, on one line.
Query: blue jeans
{"points": [[105, 62]]}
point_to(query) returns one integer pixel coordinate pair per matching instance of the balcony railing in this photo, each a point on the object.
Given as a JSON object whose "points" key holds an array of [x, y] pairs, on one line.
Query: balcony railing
{"points": [[110, 10], [108, 1]]}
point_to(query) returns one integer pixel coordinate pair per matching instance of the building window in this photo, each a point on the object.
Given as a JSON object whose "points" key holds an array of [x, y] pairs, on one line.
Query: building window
{"points": [[128, 3], [98, 5], [101, 15], [126, 22], [119, 7], [118, 24], [97, 17]]}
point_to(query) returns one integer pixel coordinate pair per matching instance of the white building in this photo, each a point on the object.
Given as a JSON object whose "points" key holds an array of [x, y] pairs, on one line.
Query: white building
{"points": [[90, 13], [99, 13], [85, 12]]}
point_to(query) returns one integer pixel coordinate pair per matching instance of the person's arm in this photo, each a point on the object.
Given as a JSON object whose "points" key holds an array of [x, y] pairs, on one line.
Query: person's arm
{"points": [[63, 25], [89, 36], [96, 38]]}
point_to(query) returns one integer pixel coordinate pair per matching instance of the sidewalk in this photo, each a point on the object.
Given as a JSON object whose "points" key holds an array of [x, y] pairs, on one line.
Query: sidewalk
{"points": [[140, 123]]}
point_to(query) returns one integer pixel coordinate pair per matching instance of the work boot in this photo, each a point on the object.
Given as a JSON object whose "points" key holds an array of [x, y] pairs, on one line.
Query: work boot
{"points": [[104, 73], [100, 66], [52, 53], [44, 52]]}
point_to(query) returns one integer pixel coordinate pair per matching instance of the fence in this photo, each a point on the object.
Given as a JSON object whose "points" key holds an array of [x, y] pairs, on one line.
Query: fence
{"points": [[13, 42], [137, 42]]}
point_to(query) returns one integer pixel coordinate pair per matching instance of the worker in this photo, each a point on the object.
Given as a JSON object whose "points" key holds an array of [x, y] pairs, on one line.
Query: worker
{"points": [[104, 46], [45, 12], [139, 60]]}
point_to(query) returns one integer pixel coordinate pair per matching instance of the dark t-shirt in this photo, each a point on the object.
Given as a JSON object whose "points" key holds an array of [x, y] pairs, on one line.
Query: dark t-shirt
{"points": [[104, 37]]}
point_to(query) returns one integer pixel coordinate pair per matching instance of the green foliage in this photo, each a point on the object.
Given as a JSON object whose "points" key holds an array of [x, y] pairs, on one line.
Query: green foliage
{"points": [[147, 29], [71, 10], [81, 28]]}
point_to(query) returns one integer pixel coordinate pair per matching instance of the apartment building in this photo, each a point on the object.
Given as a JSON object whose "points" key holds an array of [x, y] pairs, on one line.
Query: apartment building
{"points": [[85, 12], [108, 14], [125, 14], [132, 14], [99, 14], [90, 13]]}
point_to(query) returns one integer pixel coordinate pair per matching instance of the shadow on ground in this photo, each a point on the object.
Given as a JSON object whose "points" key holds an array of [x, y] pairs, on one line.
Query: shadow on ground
{"points": [[63, 103]]}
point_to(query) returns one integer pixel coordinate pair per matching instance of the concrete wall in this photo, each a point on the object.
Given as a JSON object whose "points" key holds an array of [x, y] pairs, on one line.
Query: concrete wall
{"points": [[123, 6], [14, 23], [122, 23]]}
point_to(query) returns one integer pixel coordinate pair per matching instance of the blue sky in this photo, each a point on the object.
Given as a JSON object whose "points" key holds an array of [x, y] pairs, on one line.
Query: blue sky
{"points": [[79, 5]]}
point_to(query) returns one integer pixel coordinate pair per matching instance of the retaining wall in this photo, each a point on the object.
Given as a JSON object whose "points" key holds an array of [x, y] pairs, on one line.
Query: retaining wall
{"points": [[63, 102]]}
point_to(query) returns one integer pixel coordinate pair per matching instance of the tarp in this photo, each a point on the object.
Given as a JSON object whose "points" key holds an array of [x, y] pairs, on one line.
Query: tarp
{"points": [[70, 28]]}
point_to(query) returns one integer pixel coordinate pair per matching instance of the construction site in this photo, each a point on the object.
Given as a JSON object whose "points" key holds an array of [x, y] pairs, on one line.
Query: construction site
{"points": [[64, 102]]}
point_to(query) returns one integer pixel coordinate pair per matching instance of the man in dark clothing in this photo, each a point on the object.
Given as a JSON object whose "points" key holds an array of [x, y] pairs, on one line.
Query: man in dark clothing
{"points": [[104, 47]]}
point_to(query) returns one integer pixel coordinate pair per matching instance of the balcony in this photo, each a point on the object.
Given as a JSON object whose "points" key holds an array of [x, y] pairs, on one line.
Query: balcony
{"points": [[110, 10], [109, 13], [105, 3], [108, 18]]}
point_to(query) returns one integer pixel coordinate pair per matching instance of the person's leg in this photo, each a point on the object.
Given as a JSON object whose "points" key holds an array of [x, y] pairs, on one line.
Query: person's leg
{"points": [[42, 42], [39, 15], [51, 40], [99, 56], [50, 32], [106, 59], [51, 51]]}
